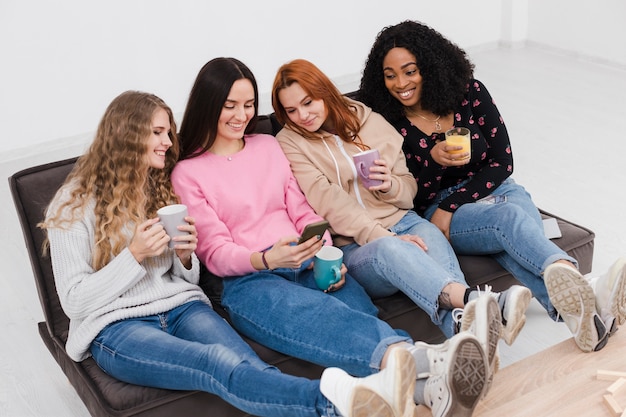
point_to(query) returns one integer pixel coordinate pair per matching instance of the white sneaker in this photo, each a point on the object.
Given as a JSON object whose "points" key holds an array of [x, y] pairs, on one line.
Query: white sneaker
{"points": [[483, 319], [513, 303], [610, 292], [573, 298], [457, 377], [388, 393]]}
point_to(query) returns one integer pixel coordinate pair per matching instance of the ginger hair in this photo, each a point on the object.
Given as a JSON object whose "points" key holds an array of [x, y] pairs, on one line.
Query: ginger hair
{"points": [[318, 87]]}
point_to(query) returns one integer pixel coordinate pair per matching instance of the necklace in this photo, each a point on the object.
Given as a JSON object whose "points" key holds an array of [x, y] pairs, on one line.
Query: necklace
{"points": [[435, 121], [227, 152]]}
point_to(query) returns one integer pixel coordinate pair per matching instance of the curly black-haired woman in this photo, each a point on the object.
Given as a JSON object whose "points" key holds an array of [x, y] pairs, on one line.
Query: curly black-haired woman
{"points": [[424, 85]]}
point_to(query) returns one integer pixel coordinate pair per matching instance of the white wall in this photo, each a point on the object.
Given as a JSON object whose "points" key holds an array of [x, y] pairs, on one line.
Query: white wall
{"points": [[65, 60], [592, 29], [514, 22]]}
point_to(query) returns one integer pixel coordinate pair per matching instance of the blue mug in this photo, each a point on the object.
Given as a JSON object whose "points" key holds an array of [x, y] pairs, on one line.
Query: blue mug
{"points": [[327, 266]]}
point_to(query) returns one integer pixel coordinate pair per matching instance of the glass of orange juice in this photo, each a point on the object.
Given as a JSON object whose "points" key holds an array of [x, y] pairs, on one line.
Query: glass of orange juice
{"points": [[459, 136]]}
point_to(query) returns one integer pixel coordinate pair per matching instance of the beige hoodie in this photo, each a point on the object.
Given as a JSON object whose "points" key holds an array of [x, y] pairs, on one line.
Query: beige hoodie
{"points": [[327, 175]]}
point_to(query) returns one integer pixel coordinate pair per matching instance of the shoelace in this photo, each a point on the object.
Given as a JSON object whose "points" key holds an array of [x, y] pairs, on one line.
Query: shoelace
{"points": [[496, 296], [457, 313], [439, 357], [487, 291], [457, 316]]}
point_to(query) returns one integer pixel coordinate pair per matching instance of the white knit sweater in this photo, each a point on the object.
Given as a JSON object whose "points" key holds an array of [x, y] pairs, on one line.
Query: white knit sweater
{"points": [[122, 289]]}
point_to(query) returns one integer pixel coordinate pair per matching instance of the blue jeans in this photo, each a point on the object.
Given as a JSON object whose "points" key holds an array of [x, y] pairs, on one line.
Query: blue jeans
{"points": [[192, 348], [389, 264], [511, 232], [284, 310]]}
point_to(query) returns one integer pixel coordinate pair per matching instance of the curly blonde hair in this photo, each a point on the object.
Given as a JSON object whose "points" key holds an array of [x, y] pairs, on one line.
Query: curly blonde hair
{"points": [[115, 173]]}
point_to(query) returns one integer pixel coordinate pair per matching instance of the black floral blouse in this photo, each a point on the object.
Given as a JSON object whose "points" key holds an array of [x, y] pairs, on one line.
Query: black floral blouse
{"points": [[491, 158]]}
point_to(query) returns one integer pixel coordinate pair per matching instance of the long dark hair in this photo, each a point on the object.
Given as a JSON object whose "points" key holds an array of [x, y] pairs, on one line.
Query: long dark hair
{"points": [[444, 67], [198, 128]]}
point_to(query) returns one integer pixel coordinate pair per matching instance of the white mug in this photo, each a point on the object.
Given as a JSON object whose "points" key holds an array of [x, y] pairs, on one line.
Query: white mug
{"points": [[170, 217]]}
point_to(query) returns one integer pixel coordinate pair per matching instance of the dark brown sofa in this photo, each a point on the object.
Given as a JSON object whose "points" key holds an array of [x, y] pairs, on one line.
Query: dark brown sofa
{"points": [[34, 187]]}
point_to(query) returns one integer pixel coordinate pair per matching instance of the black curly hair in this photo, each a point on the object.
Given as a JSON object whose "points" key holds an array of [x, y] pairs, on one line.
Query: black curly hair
{"points": [[444, 67]]}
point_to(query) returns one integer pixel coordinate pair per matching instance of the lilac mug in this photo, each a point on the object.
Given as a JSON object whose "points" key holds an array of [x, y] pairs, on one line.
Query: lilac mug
{"points": [[363, 161]]}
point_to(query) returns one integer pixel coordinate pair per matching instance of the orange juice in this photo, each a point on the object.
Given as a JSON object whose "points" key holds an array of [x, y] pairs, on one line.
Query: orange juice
{"points": [[459, 137]]}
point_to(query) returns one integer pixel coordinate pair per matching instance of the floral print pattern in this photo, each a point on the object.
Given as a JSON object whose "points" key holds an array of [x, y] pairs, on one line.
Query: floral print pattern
{"points": [[491, 159]]}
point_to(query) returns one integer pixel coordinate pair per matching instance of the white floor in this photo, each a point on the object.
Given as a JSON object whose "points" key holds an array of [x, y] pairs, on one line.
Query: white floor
{"points": [[564, 115]]}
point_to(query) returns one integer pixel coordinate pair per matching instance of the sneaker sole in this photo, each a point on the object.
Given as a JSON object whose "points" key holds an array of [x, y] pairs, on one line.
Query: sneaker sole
{"points": [[489, 337], [468, 377], [486, 325], [517, 304], [404, 385], [571, 295], [367, 403]]}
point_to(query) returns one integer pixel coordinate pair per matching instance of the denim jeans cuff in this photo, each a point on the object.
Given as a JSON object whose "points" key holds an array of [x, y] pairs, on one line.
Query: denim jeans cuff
{"points": [[379, 351], [558, 257]]}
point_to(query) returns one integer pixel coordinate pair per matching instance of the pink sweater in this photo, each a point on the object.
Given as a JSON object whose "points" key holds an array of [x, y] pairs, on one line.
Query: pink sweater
{"points": [[242, 204]]}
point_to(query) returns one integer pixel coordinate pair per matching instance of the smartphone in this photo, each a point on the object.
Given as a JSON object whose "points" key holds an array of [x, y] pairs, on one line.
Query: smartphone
{"points": [[313, 229]]}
